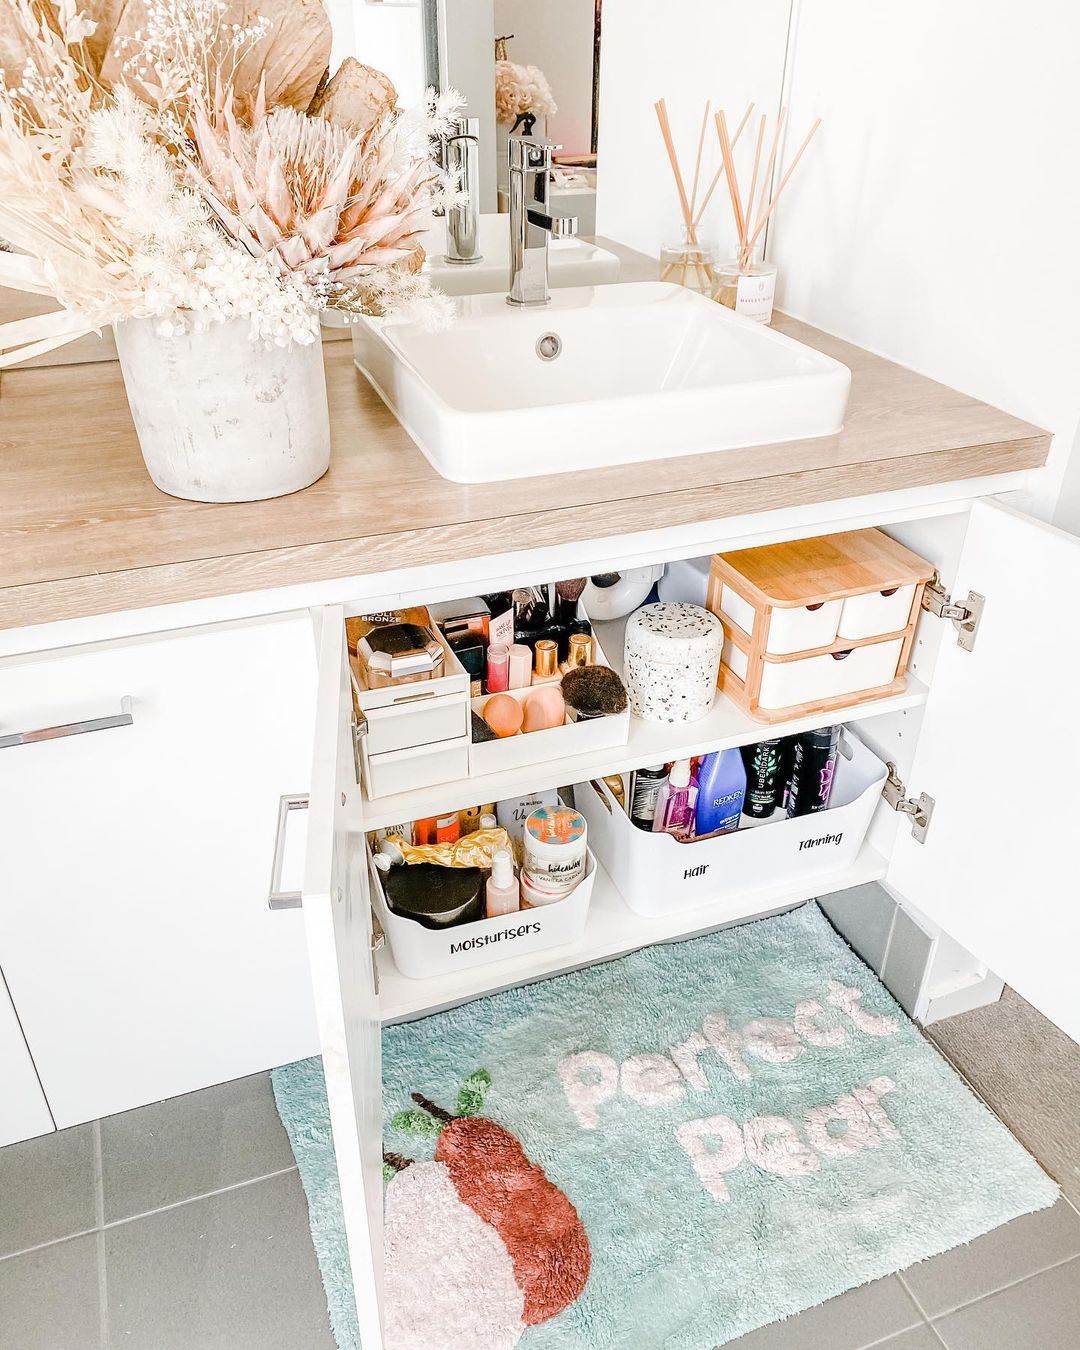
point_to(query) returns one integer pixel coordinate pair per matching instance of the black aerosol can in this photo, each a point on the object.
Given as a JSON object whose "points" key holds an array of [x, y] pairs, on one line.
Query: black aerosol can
{"points": [[765, 763], [812, 770]]}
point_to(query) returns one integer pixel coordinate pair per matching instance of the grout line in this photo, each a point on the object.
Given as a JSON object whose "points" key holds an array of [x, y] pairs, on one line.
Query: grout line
{"points": [[203, 1195], [99, 1241], [1001, 1289], [52, 1242]]}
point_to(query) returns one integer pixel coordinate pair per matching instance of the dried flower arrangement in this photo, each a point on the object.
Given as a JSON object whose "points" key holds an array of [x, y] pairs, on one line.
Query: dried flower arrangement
{"points": [[192, 161], [520, 90]]}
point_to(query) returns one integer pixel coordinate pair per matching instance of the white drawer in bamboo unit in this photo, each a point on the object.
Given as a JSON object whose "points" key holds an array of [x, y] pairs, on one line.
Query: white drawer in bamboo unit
{"points": [[810, 624]]}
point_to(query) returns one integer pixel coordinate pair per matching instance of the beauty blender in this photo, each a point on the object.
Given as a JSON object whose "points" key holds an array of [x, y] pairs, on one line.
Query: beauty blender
{"points": [[545, 708], [594, 691], [503, 714]]}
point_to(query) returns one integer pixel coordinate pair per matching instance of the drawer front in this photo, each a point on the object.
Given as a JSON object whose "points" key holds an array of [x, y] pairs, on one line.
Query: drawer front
{"points": [[135, 934], [879, 612], [420, 722], [787, 684]]}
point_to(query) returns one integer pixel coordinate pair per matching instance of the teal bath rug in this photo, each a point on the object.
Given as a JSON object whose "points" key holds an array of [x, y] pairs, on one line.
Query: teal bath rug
{"points": [[662, 1152]]}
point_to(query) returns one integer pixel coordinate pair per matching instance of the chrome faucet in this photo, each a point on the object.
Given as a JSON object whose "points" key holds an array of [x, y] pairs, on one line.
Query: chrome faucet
{"points": [[531, 222], [459, 155]]}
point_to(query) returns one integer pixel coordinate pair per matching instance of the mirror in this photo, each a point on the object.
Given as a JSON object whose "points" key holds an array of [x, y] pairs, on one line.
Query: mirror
{"points": [[605, 70]]}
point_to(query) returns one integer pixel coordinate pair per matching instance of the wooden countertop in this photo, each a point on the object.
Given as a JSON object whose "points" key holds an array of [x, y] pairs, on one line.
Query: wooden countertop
{"points": [[84, 531]]}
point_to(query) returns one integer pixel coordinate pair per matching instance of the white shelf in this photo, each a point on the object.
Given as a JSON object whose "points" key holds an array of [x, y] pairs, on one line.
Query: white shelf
{"points": [[612, 930], [649, 743]]}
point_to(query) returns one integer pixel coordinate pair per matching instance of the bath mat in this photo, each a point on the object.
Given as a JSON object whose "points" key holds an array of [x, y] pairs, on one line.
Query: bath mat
{"points": [[665, 1151]]}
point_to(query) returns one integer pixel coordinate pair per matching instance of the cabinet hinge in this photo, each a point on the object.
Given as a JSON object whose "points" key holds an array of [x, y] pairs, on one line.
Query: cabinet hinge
{"points": [[920, 809], [937, 601]]}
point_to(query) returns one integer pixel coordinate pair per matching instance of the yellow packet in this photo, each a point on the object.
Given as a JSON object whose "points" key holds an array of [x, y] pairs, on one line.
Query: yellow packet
{"points": [[471, 850]]}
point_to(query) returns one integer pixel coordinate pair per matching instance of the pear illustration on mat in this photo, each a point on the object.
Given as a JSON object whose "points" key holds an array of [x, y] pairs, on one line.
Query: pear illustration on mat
{"points": [[479, 1243]]}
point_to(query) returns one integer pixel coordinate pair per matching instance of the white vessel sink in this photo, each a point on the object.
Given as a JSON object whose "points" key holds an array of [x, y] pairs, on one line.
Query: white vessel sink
{"points": [[644, 371], [571, 262]]}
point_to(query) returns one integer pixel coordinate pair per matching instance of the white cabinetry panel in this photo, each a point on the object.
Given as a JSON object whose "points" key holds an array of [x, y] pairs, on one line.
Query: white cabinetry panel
{"points": [[999, 752], [337, 913], [23, 1111], [134, 930]]}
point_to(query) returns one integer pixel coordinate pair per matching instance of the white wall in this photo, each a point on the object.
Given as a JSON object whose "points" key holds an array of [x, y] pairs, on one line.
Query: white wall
{"points": [[937, 217], [557, 36], [729, 51], [388, 37]]}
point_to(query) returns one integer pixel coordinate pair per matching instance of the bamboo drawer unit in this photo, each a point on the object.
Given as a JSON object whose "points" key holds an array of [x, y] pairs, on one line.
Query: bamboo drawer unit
{"points": [[815, 624]]}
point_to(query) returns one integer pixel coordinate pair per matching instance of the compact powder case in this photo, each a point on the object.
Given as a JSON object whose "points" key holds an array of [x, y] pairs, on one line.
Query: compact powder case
{"points": [[399, 653]]}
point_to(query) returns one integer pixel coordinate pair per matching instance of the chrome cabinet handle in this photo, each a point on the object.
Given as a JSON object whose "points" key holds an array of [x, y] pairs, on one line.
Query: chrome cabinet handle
{"points": [[124, 718], [279, 899]]}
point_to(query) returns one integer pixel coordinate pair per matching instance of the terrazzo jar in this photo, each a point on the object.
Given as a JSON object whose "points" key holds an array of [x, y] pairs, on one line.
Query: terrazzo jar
{"points": [[672, 661]]}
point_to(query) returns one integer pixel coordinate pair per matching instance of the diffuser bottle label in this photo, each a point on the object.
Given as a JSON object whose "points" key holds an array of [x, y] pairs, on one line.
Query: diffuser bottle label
{"points": [[754, 299]]}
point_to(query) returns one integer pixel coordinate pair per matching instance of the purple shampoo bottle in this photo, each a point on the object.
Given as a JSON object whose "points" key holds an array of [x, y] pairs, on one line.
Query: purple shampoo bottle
{"points": [[721, 790]]}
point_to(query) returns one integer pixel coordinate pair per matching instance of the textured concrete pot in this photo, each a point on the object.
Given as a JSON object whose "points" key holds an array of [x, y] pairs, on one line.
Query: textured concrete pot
{"points": [[221, 418]]}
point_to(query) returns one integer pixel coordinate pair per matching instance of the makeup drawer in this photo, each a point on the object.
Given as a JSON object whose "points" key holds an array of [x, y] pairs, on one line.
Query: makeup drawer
{"points": [[790, 630], [876, 613], [831, 675]]}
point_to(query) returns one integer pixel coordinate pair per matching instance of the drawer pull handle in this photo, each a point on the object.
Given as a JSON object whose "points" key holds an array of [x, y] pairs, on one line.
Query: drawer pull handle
{"points": [[279, 899], [124, 718], [841, 656]]}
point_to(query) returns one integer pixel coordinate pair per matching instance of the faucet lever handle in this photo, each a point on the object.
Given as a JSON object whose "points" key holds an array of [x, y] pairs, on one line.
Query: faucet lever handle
{"points": [[530, 154]]}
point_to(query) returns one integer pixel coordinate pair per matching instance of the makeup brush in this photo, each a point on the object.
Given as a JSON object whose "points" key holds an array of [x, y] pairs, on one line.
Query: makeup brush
{"points": [[593, 691], [567, 595]]}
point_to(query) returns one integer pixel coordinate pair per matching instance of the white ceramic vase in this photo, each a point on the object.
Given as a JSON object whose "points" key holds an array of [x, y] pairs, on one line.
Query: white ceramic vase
{"points": [[221, 418]]}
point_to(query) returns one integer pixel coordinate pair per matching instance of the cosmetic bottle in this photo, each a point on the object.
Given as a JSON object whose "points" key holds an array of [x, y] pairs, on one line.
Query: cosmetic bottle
{"points": [[812, 771], [498, 668], [503, 892], [471, 652], [579, 652], [501, 608], [546, 667], [675, 805], [443, 829], [764, 764], [555, 840], [530, 608], [644, 790], [614, 784], [488, 820], [520, 671], [721, 790], [472, 818]]}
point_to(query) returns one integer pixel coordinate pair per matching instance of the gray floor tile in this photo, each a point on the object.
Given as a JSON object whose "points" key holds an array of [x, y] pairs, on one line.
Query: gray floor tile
{"points": [[1042, 1313], [49, 1298], [47, 1189], [918, 1338], [1007, 1254], [189, 1146], [235, 1271], [873, 1311]]}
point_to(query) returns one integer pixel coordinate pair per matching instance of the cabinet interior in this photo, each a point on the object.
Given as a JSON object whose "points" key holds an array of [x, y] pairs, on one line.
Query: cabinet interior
{"points": [[889, 726]]}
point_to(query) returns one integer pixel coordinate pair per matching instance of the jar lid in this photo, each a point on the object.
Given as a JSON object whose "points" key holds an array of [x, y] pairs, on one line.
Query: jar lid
{"points": [[556, 825], [666, 629]]}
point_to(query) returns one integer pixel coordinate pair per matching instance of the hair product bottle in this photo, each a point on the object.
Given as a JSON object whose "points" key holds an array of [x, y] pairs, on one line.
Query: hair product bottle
{"points": [[644, 790], [721, 791], [675, 804], [764, 763]]}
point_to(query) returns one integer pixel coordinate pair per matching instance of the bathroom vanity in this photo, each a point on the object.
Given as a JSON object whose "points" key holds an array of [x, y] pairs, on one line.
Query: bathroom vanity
{"points": [[170, 671]]}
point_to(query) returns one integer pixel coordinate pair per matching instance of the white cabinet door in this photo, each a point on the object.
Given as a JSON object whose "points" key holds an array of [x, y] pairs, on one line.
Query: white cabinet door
{"points": [[337, 915], [135, 861], [999, 752], [24, 1112]]}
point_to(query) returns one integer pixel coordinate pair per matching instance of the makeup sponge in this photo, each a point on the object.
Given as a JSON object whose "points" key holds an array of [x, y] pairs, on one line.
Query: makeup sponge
{"points": [[481, 732], [544, 708], [503, 714], [594, 691]]}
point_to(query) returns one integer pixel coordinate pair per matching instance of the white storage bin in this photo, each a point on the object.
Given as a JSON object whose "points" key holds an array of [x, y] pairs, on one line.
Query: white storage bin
{"points": [[537, 747], [419, 766], [419, 952], [656, 875], [876, 613], [417, 720], [790, 630], [788, 684]]}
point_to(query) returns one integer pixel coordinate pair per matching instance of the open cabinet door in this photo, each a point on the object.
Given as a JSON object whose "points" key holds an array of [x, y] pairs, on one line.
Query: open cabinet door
{"points": [[337, 919], [999, 752]]}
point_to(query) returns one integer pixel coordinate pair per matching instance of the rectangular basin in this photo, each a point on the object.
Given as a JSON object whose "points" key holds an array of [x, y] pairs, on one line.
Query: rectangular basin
{"points": [[571, 262], [601, 376]]}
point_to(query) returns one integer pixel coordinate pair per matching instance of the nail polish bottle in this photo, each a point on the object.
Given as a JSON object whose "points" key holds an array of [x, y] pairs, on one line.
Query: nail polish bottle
{"points": [[546, 669], [521, 659]]}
